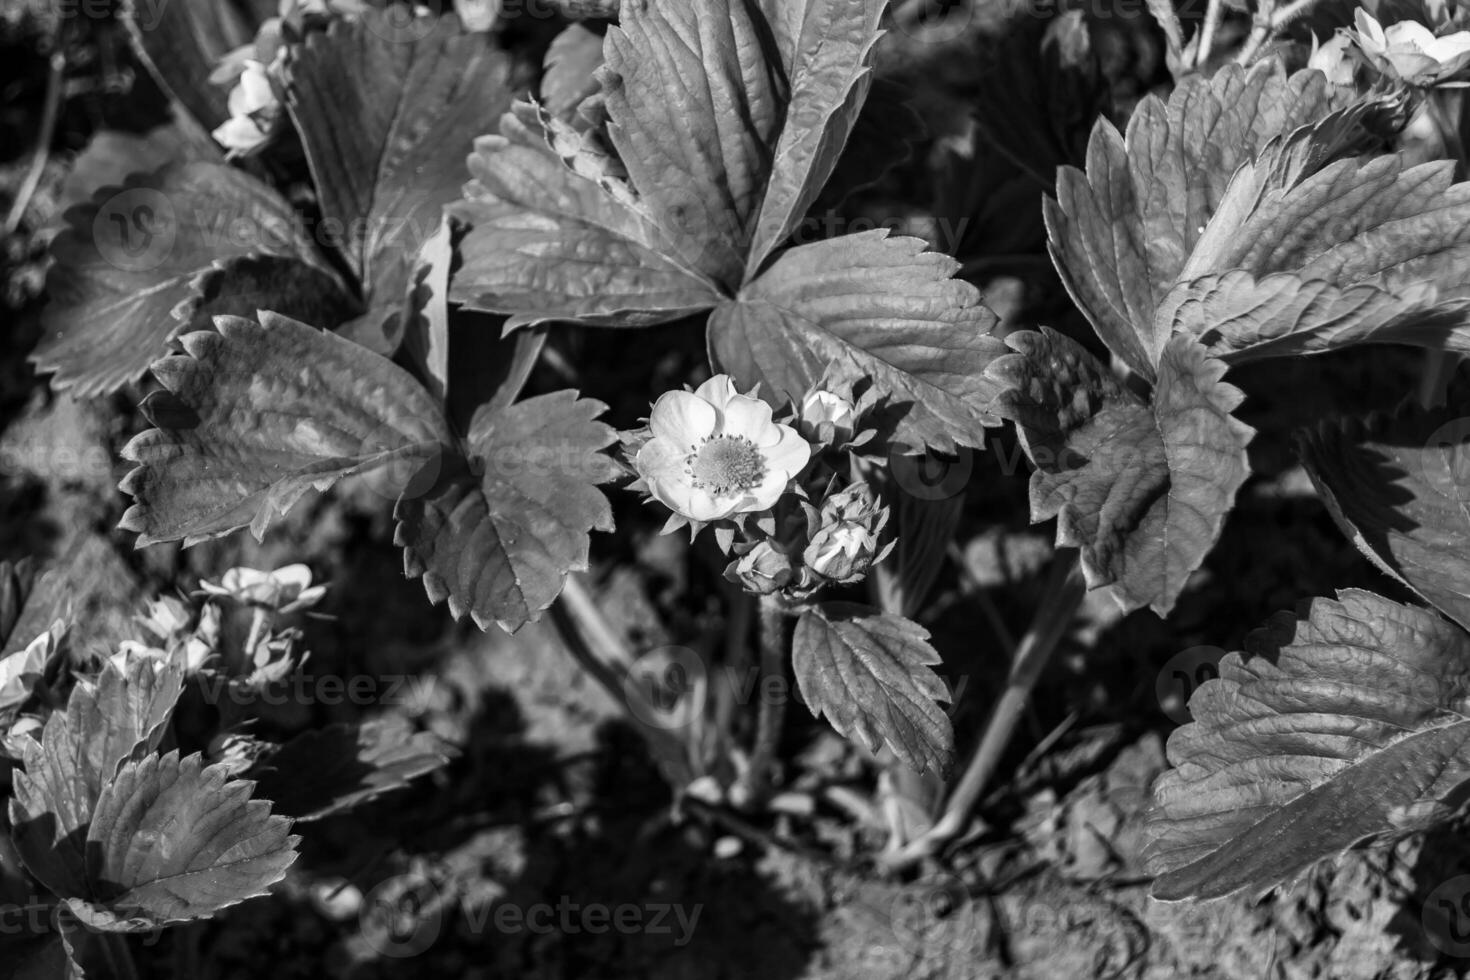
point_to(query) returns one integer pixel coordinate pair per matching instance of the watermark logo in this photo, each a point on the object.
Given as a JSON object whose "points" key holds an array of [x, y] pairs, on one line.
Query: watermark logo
{"points": [[1445, 463], [135, 229], [1446, 916], [666, 687], [930, 475], [1182, 675]]}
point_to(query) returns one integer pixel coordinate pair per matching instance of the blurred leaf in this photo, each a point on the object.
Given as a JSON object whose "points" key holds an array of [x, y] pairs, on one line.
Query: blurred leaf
{"points": [[333, 769], [869, 673], [134, 264], [570, 75], [181, 43], [1142, 489], [1346, 726]]}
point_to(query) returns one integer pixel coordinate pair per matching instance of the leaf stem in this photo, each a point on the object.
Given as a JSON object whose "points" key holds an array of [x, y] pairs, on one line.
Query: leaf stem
{"points": [[1168, 19], [754, 785], [1064, 591], [1214, 14], [55, 83]]}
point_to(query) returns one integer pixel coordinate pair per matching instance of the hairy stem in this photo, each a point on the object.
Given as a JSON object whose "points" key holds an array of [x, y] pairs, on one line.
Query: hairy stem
{"points": [[754, 785], [1214, 14], [55, 84], [1049, 624]]}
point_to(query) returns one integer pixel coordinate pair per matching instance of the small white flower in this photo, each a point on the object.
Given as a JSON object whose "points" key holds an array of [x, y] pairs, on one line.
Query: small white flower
{"points": [[1333, 58], [254, 110], [286, 590], [1408, 50], [715, 453], [822, 407]]}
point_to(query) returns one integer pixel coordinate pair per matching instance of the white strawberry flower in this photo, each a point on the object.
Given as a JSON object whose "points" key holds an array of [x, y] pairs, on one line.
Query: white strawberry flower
{"points": [[715, 453], [286, 590], [254, 111], [1410, 51]]}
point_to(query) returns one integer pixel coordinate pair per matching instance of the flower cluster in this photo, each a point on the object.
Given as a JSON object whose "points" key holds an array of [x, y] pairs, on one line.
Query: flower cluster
{"points": [[717, 455], [1411, 52]]}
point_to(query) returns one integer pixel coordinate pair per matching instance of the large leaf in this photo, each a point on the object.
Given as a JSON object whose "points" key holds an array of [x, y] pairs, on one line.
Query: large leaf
{"points": [[871, 674], [498, 536], [329, 770], [253, 416], [128, 269], [874, 306], [727, 118], [563, 240], [1397, 484], [173, 841], [1180, 227], [121, 716], [1347, 725], [1141, 488], [386, 114]]}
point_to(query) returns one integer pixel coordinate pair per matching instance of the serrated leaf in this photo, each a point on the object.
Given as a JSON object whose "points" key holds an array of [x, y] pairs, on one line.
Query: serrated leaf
{"points": [[253, 416], [121, 716], [386, 113], [722, 142], [1397, 485], [333, 769], [497, 538], [869, 674], [173, 841], [1142, 489], [124, 279], [1171, 202], [1339, 728], [111, 156], [876, 307], [550, 243]]}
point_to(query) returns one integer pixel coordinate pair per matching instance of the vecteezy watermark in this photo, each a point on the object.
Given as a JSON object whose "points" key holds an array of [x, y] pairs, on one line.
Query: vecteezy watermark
{"points": [[668, 687], [1446, 917], [135, 229], [930, 475], [1182, 675], [1445, 462], [405, 915], [327, 690], [937, 912]]}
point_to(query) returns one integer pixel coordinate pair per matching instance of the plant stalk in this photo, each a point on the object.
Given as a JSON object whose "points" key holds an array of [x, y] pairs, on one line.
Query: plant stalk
{"points": [[1064, 591], [754, 785]]}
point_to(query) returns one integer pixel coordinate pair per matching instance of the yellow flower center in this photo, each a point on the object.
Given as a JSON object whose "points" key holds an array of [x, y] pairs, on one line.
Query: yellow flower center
{"points": [[726, 464]]}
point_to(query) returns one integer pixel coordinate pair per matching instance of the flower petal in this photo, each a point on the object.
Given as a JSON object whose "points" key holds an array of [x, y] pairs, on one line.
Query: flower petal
{"points": [[789, 455], [751, 418], [683, 418], [661, 461], [717, 391]]}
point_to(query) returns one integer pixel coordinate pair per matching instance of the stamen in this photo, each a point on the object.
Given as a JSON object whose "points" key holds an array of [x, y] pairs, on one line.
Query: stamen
{"points": [[725, 465]]}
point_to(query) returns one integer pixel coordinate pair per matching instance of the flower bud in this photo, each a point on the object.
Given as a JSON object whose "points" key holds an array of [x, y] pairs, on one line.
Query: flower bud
{"points": [[845, 544], [763, 570], [827, 417]]}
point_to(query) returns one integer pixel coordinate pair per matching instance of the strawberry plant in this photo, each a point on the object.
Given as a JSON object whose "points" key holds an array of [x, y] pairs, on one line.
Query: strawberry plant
{"points": [[606, 273]]}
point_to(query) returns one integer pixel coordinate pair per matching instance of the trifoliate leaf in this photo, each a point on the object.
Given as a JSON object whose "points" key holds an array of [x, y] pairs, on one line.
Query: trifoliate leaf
{"points": [[173, 841], [126, 270], [386, 114], [876, 307], [870, 674], [253, 416], [497, 537], [1141, 488], [1237, 172], [1398, 486], [121, 716], [333, 769], [1347, 725]]}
